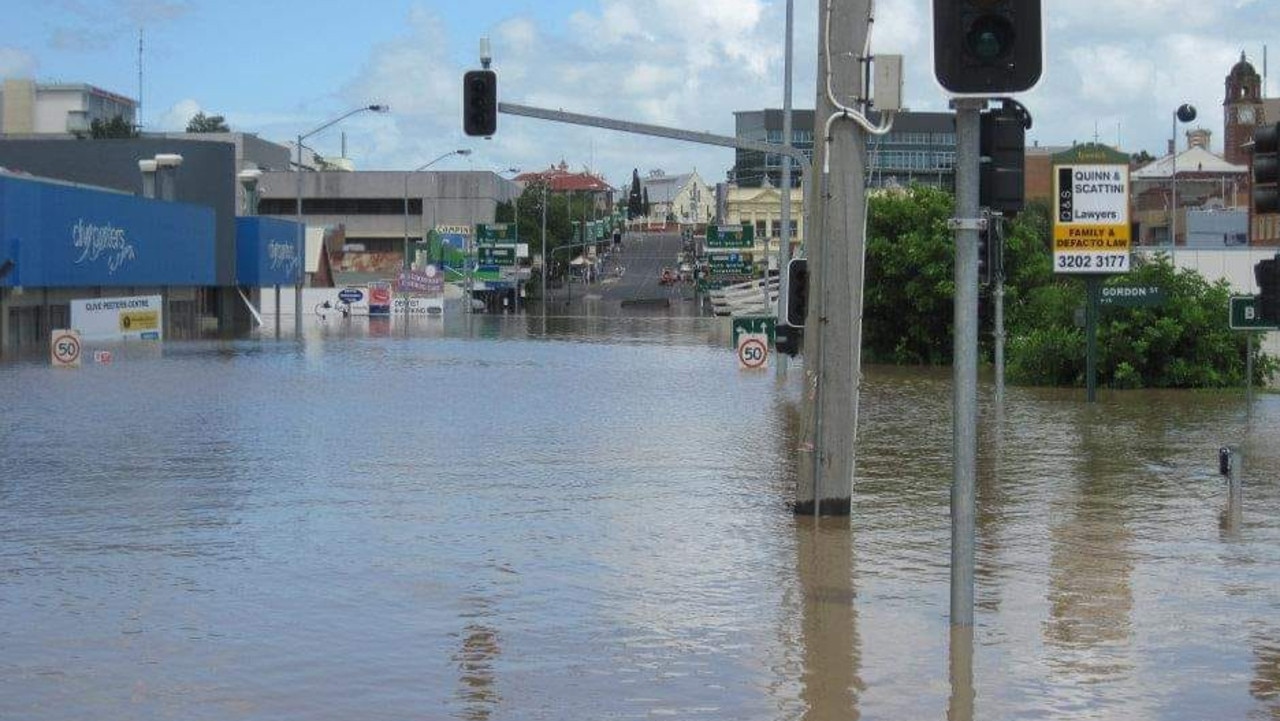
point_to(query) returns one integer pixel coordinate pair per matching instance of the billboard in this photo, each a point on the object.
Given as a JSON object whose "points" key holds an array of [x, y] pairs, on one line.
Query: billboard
{"points": [[130, 318], [56, 235], [268, 252]]}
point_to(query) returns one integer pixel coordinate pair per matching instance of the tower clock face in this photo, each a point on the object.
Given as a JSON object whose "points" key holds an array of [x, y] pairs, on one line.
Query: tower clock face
{"points": [[1245, 114]]}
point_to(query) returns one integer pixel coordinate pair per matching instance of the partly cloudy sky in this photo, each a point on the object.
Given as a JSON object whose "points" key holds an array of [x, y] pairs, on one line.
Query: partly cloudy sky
{"points": [[1116, 69]]}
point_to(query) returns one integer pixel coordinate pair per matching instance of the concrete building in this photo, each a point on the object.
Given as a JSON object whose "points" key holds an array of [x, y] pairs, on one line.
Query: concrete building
{"points": [[31, 108], [384, 214], [920, 149], [1204, 181]]}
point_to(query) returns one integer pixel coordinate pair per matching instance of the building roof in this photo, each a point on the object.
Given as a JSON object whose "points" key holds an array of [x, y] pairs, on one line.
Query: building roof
{"points": [[560, 180], [1192, 160]]}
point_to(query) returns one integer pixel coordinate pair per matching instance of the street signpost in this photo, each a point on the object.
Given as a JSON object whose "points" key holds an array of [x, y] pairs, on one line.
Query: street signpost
{"points": [[1091, 231], [1244, 314], [1132, 296], [496, 254]]}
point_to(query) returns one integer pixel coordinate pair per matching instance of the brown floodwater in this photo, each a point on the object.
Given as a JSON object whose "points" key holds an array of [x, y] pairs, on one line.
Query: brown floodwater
{"points": [[493, 518]]}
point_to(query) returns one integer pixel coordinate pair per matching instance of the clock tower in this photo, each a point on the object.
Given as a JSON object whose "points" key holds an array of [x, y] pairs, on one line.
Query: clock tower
{"points": [[1242, 111]]}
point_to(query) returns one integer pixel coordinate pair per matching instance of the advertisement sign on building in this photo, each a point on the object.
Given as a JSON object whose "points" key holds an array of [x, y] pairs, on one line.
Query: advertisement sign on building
{"points": [[64, 236], [268, 252], [130, 318]]}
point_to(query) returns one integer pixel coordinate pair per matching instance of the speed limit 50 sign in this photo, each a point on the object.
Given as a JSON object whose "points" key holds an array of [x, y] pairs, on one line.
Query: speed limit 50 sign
{"points": [[64, 348], [753, 351]]}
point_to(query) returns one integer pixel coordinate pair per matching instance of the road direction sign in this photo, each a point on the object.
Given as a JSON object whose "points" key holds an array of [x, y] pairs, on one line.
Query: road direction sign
{"points": [[1244, 314], [753, 324], [495, 231], [496, 254], [731, 236], [1091, 232]]}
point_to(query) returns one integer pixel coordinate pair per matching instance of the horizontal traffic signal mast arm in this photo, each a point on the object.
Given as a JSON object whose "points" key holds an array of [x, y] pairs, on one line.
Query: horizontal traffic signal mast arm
{"points": [[660, 131]]}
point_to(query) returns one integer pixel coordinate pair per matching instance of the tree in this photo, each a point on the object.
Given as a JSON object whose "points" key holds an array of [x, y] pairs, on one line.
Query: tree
{"points": [[644, 205], [635, 202], [1140, 158], [114, 128], [201, 123], [908, 307]]}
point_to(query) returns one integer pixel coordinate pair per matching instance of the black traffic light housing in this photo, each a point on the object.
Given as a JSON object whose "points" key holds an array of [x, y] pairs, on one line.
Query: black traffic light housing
{"points": [[480, 103], [796, 293], [1002, 147], [1267, 273], [1266, 169], [987, 47]]}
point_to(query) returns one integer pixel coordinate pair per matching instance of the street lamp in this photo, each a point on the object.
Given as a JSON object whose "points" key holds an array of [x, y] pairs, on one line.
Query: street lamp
{"points": [[1186, 113], [302, 243]]}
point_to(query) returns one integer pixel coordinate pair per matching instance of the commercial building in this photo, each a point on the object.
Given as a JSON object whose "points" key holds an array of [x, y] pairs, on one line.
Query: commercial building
{"points": [[920, 149], [67, 109]]}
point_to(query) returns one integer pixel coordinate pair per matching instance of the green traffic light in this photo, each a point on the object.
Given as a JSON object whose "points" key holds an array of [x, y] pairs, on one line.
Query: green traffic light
{"points": [[990, 38]]}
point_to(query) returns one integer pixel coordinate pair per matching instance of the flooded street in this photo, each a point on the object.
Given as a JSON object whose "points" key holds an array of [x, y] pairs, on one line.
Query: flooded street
{"points": [[501, 518]]}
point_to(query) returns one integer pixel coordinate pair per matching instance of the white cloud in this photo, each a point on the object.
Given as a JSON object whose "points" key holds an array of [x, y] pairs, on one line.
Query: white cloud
{"points": [[15, 63], [175, 119]]}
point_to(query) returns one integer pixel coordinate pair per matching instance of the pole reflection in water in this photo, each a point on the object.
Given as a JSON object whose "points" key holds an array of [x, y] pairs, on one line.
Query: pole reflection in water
{"points": [[475, 660], [1090, 595], [830, 683], [960, 665]]}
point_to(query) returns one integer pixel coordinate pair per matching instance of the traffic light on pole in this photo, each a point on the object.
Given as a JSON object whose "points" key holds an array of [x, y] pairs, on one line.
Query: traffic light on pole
{"points": [[987, 47], [796, 292], [1267, 273], [1002, 147], [1266, 169], [480, 103]]}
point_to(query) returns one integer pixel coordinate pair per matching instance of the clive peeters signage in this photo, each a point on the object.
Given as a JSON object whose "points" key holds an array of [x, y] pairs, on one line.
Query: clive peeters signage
{"points": [[65, 236], [268, 252]]}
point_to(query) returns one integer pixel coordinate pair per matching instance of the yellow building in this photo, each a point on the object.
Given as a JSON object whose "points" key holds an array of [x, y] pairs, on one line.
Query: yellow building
{"points": [[762, 208]]}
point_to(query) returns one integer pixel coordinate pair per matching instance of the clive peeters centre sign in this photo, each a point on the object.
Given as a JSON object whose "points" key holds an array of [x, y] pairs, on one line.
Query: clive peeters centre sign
{"points": [[1091, 231]]}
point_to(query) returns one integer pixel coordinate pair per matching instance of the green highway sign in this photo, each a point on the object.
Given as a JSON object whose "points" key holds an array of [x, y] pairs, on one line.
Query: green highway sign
{"points": [[495, 231], [731, 236], [750, 324], [1132, 296], [730, 264], [1244, 314], [492, 254]]}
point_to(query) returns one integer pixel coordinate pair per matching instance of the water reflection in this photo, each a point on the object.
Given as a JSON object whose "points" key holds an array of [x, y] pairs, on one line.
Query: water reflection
{"points": [[831, 685], [475, 659]]}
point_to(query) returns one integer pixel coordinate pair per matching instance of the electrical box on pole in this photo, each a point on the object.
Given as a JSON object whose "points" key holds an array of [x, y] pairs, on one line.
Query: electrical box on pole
{"points": [[1002, 147], [480, 103], [1266, 169], [987, 47]]}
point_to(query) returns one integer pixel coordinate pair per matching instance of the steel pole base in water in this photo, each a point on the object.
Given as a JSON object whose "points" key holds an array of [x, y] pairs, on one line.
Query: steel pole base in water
{"points": [[828, 507]]}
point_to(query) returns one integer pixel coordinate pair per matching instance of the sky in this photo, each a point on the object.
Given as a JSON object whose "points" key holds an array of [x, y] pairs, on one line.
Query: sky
{"points": [[1116, 70]]}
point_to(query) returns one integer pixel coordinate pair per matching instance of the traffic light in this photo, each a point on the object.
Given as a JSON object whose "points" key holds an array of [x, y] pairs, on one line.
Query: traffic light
{"points": [[1266, 169], [1267, 273], [984, 255], [480, 103], [1002, 147], [986, 47], [796, 293], [788, 339]]}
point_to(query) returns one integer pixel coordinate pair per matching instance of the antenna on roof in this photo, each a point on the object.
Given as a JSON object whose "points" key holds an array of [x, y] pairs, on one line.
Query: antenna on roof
{"points": [[139, 119]]}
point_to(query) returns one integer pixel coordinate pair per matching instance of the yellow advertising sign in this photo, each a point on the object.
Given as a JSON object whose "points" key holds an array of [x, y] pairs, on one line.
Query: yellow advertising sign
{"points": [[135, 321], [1091, 232]]}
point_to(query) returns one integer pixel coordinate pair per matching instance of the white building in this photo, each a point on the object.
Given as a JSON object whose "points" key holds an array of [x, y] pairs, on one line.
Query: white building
{"points": [[684, 198], [31, 108]]}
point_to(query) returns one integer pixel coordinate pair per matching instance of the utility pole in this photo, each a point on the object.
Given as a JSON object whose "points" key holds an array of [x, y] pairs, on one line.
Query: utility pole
{"points": [[835, 238]]}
